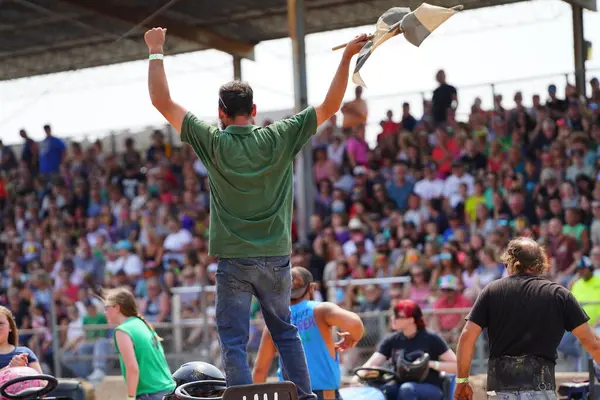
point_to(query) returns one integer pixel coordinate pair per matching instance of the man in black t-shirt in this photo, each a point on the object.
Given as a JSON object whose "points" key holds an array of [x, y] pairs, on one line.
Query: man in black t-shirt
{"points": [[444, 98], [526, 316], [411, 336]]}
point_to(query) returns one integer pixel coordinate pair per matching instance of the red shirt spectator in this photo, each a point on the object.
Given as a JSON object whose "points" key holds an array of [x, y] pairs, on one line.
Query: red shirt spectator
{"points": [[450, 298]]}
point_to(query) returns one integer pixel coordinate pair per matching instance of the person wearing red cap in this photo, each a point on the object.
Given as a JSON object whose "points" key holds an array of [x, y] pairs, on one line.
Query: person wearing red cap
{"points": [[409, 336]]}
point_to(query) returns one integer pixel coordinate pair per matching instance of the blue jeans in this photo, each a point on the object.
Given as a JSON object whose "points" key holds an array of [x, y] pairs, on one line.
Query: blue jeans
{"points": [[100, 349], [525, 395], [413, 391], [570, 347], [269, 279], [152, 396]]}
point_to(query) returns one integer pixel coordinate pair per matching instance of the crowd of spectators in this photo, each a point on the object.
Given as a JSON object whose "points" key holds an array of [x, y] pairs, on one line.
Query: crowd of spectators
{"points": [[435, 201]]}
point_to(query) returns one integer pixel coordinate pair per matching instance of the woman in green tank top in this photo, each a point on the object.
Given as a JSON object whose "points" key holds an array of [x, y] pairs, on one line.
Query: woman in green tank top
{"points": [[137, 344]]}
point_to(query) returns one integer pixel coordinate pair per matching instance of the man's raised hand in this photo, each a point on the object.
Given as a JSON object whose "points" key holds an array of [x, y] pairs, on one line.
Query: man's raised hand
{"points": [[353, 47], [155, 39]]}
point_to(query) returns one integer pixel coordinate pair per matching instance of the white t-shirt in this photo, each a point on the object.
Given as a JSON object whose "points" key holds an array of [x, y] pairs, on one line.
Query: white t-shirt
{"points": [[176, 242], [453, 182], [428, 190], [131, 264]]}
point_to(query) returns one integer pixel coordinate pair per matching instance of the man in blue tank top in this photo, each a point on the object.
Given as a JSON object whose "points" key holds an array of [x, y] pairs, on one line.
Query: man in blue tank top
{"points": [[315, 321]]}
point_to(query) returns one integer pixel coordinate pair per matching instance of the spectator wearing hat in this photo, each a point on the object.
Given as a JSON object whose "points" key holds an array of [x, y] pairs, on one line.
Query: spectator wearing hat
{"points": [[128, 261], [585, 289], [450, 324], [358, 239], [409, 335]]}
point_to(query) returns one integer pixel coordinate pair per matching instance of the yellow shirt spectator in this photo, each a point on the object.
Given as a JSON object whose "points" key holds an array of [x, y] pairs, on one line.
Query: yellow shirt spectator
{"points": [[588, 290], [471, 206]]}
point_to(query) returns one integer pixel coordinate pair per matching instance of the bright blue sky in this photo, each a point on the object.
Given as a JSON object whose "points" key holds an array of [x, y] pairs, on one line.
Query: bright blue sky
{"points": [[495, 44]]}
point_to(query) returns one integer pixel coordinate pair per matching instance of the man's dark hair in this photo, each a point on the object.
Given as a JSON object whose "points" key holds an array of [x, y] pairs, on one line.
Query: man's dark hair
{"points": [[525, 256], [236, 99]]}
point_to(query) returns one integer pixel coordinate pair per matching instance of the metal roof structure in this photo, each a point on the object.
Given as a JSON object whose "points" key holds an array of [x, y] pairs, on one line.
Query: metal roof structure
{"points": [[46, 36]]}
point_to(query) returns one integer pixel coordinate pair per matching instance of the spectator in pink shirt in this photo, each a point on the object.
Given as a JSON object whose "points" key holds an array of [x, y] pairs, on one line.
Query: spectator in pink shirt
{"points": [[323, 167], [357, 148]]}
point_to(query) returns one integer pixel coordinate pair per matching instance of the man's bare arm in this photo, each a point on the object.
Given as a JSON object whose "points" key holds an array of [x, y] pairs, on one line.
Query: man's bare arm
{"points": [[161, 97], [466, 348], [158, 87], [347, 321], [337, 89], [589, 340], [264, 358]]}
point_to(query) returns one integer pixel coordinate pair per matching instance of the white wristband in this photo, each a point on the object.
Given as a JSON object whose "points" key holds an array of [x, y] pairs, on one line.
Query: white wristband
{"points": [[156, 56]]}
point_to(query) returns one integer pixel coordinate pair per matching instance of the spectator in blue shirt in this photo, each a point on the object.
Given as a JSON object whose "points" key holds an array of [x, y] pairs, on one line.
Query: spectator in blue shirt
{"points": [[52, 153], [400, 189]]}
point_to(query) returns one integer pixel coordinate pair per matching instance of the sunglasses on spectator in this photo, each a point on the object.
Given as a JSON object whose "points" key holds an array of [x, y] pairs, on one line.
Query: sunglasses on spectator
{"points": [[445, 256]]}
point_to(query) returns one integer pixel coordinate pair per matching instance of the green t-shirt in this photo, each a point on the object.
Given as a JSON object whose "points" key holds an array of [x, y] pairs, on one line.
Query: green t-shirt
{"points": [[155, 375], [251, 182], [98, 319]]}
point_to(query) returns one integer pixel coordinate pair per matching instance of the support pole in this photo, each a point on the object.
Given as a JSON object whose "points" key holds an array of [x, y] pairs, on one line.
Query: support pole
{"points": [[303, 169], [579, 48], [58, 355], [237, 68]]}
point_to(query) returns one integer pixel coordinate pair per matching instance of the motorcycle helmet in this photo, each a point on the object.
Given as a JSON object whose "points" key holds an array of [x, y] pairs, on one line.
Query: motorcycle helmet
{"points": [[412, 367], [198, 371]]}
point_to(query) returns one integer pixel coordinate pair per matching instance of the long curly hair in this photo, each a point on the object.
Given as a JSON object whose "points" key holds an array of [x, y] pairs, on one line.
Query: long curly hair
{"points": [[525, 256]]}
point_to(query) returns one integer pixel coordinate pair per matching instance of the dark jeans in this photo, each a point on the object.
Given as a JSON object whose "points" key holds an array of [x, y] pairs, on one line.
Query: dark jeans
{"points": [[413, 391], [269, 279], [152, 396]]}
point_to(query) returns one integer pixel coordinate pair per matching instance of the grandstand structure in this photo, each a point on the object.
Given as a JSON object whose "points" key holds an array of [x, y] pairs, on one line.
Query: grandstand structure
{"points": [[49, 36]]}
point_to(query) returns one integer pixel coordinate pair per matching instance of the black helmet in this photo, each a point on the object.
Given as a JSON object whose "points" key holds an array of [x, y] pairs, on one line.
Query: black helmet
{"points": [[412, 367], [198, 371]]}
